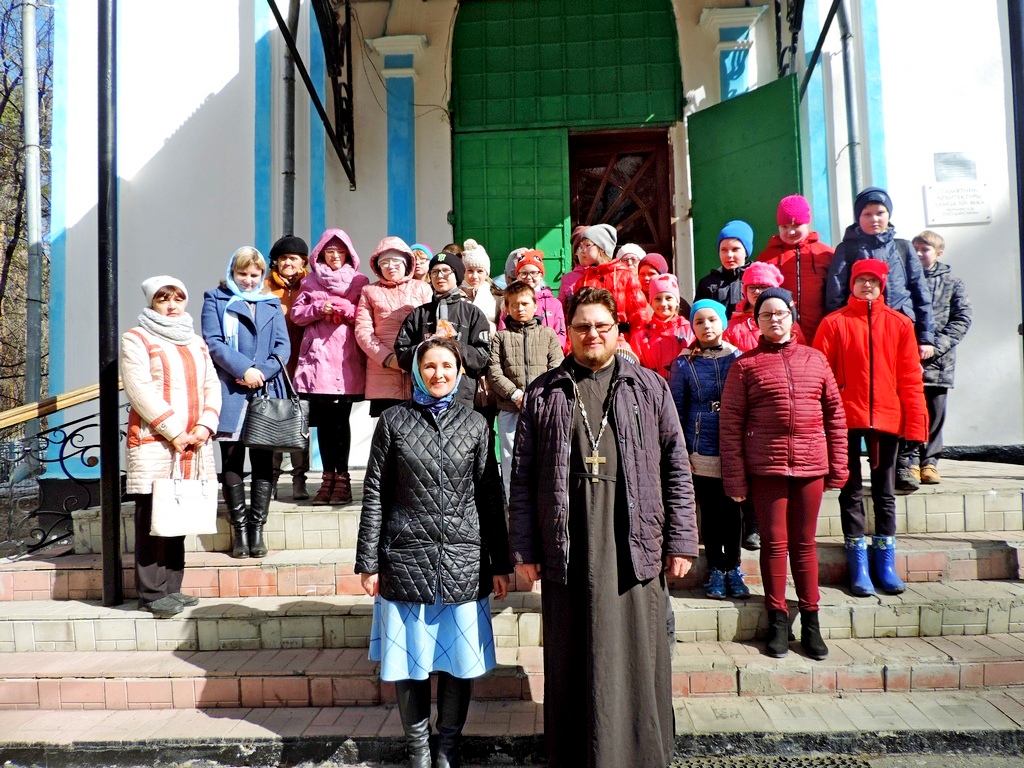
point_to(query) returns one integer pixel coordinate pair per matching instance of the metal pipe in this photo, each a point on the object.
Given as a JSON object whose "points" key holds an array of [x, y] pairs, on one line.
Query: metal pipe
{"points": [[817, 48], [288, 201], [110, 435], [1016, 23], [33, 213], [852, 119]]}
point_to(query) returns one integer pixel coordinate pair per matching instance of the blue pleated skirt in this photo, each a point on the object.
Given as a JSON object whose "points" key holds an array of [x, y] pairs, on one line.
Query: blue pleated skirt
{"points": [[411, 640]]}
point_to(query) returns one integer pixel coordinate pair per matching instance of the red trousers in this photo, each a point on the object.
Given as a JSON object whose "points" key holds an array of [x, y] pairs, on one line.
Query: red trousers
{"points": [[787, 513]]}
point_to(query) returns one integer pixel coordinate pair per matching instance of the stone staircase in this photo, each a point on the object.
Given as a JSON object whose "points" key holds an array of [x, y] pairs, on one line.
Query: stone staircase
{"points": [[291, 630]]}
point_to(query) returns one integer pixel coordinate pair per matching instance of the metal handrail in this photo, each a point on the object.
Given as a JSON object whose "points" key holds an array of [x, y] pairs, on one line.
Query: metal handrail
{"points": [[50, 405]]}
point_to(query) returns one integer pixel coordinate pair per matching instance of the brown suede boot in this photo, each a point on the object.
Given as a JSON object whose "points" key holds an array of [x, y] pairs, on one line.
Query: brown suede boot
{"points": [[323, 496], [342, 489]]}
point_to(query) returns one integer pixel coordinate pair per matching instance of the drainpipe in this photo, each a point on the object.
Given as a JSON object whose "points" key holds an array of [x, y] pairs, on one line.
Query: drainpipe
{"points": [[109, 405], [288, 202], [849, 85], [33, 211]]}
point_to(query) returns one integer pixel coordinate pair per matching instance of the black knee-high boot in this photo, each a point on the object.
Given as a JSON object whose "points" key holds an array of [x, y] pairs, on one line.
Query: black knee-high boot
{"points": [[453, 694], [259, 509], [414, 710], [234, 498]]}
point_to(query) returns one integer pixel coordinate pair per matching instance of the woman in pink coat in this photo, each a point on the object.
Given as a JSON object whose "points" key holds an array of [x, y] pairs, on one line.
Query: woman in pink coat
{"points": [[382, 308], [332, 367]]}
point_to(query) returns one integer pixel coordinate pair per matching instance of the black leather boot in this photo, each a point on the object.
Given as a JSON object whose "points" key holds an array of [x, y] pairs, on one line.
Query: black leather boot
{"points": [[810, 635], [453, 694], [777, 644], [234, 498], [414, 710], [259, 508]]}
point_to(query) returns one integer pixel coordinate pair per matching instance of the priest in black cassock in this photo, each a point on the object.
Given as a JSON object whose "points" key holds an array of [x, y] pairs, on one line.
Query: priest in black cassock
{"points": [[601, 508]]}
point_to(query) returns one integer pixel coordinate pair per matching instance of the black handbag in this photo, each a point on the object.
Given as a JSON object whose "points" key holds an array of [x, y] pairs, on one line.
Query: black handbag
{"points": [[277, 423]]}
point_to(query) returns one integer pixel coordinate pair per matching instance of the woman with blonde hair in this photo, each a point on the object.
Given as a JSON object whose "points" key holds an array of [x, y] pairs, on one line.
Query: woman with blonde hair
{"points": [[245, 329]]}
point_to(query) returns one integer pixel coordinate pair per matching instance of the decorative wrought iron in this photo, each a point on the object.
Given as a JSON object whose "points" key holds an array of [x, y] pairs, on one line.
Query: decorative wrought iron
{"points": [[44, 479], [786, 54], [337, 42], [337, 39]]}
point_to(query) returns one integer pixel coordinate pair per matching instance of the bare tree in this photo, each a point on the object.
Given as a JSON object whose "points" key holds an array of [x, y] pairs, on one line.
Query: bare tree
{"points": [[13, 245]]}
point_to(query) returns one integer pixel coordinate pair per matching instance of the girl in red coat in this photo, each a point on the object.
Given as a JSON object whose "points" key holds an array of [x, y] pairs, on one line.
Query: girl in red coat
{"points": [[873, 351], [743, 331], [783, 441], [659, 341], [598, 242], [803, 259]]}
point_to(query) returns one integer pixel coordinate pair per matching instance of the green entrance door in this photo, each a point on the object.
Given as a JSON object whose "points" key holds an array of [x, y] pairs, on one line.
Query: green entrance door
{"points": [[512, 191], [744, 158]]}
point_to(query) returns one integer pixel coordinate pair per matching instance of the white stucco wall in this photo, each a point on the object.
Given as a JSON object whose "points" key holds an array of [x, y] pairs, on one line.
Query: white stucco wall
{"points": [[185, 154], [946, 88]]}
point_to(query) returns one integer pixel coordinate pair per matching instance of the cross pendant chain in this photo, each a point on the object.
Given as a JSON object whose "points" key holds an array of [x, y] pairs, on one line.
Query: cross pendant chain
{"points": [[595, 459]]}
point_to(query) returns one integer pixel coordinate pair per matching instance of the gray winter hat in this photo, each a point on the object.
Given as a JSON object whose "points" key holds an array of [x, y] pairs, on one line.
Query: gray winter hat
{"points": [[603, 236]]}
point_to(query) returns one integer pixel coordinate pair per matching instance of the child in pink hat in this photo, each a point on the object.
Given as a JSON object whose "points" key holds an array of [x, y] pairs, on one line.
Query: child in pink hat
{"points": [[658, 341], [743, 331], [803, 260]]}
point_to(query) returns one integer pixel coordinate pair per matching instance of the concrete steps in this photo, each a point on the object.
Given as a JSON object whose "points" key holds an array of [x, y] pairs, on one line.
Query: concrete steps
{"points": [[974, 497], [317, 572], [335, 678], [343, 621]]}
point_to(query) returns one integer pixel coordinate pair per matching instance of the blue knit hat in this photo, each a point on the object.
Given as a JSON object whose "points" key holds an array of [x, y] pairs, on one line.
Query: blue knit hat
{"points": [[869, 196], [741, 231], [708, 304]]}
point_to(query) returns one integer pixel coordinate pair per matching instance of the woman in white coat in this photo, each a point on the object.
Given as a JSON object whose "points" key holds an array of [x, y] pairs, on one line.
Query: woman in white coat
{"points": [[175, 399]]}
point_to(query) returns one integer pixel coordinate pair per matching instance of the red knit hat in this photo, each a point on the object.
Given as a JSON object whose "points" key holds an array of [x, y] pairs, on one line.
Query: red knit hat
{"points": [[655, 260], [793, 210], [533, 259], [869, 267]]}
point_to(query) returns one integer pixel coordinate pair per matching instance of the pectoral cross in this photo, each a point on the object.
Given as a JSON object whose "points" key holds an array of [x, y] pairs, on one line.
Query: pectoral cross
{"points": [[595, 460]]}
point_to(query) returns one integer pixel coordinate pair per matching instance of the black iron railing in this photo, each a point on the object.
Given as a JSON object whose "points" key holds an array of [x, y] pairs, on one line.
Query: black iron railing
{"points": [[44, 479]]}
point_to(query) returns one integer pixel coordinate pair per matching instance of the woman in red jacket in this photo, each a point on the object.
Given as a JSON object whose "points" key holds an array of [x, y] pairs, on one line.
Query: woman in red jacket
{"points": [[783, 441], [873, 351]]}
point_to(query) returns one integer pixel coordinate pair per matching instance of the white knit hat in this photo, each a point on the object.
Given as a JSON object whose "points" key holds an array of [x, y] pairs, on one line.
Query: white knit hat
{"points": [[633, 248], [474, 255], [153, 284]]}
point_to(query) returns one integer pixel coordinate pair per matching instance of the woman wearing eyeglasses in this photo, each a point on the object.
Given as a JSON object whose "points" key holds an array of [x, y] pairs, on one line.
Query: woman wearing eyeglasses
{"points": [[783, 442], [382, 308]]}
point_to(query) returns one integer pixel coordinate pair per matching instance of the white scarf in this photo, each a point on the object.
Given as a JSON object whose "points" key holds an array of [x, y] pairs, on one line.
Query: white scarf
{"points": [[177, 330]]}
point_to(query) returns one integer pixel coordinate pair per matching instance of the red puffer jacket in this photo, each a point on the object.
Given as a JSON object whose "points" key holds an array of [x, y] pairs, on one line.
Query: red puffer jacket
{"points": [[619, 278], [804, 270], [744, 334], [658, 342], [781, 415], [873, 352]]}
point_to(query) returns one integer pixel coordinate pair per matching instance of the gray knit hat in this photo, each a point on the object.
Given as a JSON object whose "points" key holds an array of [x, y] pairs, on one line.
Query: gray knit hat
{"points": [[603, 236]]}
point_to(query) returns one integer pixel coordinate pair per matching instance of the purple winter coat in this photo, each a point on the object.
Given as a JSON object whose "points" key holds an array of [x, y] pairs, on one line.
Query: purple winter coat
{"points": [[652, 455], [330, 361]]}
